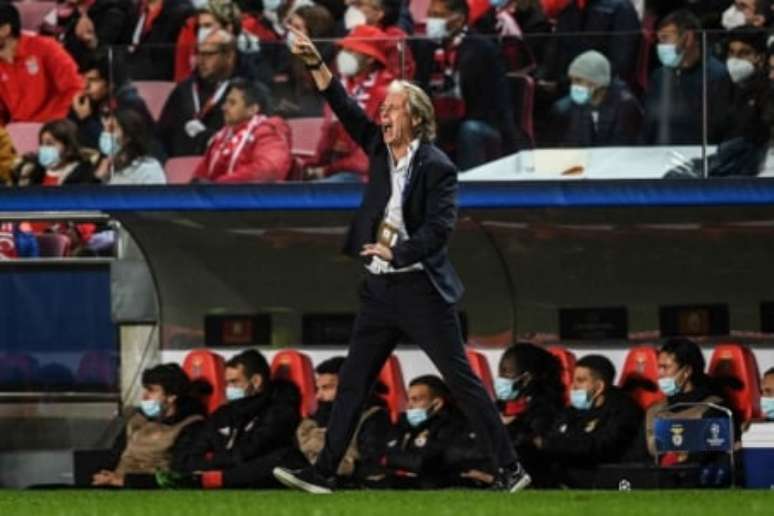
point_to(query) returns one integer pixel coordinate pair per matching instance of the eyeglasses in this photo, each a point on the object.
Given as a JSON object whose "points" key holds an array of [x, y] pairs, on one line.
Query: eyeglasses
{"points": [[207, 53]]}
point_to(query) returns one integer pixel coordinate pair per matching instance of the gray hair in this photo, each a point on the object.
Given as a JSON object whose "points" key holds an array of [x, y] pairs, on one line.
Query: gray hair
{"points": [[419, 106]]}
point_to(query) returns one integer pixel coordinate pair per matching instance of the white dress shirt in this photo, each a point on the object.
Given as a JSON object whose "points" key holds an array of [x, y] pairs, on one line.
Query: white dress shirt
{"points": [[400, 173]]}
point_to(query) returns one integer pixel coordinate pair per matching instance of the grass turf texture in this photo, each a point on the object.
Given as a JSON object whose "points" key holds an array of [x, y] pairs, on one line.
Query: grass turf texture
{"points": [[392, 503]]}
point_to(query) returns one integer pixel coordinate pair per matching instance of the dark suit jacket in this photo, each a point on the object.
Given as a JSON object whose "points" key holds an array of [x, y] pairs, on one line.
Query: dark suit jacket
{"points": [[429, 199]]}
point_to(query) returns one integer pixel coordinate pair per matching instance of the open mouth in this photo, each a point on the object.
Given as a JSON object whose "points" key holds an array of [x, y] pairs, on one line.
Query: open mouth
{"points": [[386, 127]]}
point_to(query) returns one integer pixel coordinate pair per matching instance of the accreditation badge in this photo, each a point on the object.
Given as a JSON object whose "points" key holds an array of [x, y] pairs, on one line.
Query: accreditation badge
{"points": [[387, 234]]}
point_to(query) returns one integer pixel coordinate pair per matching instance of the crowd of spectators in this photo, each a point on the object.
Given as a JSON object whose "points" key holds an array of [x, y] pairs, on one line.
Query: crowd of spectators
{"points": [[563, 433], [504, 75]]}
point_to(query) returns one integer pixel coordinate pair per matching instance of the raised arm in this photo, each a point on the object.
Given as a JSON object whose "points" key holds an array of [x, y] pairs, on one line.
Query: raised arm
{"points": [[357, 123]]}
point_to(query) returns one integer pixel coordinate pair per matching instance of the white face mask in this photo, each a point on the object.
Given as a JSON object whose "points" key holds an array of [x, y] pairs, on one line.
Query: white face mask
{"points": [[202, 34], [272, 5], [199, 4], [347, 64], [733, 18], [435, 28], [354, 17], [739, 69]]}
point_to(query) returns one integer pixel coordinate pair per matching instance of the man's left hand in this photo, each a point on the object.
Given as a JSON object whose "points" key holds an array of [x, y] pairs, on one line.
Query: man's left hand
{"points": [[382, 251]]}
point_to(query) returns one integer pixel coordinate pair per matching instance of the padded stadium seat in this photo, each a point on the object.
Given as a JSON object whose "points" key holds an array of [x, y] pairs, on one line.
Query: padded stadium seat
{"points": [[180, 170], [480, 365], [639, 376], [305, 135], [736, 365], [392, 378], [155, 94], [33, 13], [97, 369], [202, 364], [53, 245], [567, 360], [296, 367], [24, 136], [523, 94]]}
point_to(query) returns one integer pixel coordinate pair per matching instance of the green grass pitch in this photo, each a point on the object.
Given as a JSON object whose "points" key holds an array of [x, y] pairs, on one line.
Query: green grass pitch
{"points": [[392, 503]]}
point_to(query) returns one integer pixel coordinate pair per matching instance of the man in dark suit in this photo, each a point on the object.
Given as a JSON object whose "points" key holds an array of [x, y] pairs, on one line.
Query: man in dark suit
{"points": [[410, 209]]}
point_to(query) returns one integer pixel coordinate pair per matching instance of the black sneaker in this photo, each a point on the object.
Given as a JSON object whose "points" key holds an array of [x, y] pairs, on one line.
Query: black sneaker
{"points": [[512, 479], [307, 479]]}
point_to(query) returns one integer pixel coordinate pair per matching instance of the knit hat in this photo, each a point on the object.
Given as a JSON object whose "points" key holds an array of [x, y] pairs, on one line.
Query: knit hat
{"points": [[591, 66], [367, 40]]}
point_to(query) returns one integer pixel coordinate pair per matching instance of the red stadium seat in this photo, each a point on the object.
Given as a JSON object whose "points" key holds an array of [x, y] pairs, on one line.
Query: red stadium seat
{"points": [[180, 170], [523, 93], [567, 360], [736, 364], [392, 378], [639, 376], [480, 365], [295, 366], [202, 364], [24, 136], [305, 135], [32, 14], [53, 245], [97, 368], [155, 94], [418, 10]]}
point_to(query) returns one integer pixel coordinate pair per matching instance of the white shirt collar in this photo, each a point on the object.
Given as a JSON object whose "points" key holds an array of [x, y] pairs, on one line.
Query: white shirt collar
{"points": [[404, 162]]}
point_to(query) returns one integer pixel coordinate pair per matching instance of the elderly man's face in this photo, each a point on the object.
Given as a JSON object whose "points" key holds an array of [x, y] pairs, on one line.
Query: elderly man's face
{"points": [[395, 119], [214, 59]]}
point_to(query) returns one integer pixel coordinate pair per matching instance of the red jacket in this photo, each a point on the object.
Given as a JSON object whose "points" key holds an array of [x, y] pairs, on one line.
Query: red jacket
{"points": [[336, 151], [186, 42], [255, 151], [41, 82]]}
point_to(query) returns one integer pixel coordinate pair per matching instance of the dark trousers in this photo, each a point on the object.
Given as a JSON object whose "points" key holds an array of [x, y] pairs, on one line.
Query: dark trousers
{"points": [[408, 303]]}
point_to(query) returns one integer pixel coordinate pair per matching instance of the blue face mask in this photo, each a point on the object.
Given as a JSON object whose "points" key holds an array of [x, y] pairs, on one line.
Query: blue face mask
{"points": [[581, 95], [505, 389], [416, 416], [668, 55], [108, 144], [235, 393], [668, 385], [151, 408], [48, 156], [767, 406], [498, 3], [580, 399]]}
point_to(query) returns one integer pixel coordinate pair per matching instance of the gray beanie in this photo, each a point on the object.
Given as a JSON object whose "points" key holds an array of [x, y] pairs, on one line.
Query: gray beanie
{"points": [[591, 66]]}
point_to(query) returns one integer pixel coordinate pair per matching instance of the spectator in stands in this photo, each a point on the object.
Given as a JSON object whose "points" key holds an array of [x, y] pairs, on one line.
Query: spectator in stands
{"points": [[709, 12], [466, 81], [361, 64], [154, 27], [38, 79], [253, 146], [385, 15], [530, 396], [196, 104], [599, 111], [755, 13], [7, 157], [433, 447], [745, 52], [611, 27], [675, 94], [107, 89], [600, 426], [767, 394], [160, 435], [247, 437], [59, 160], [361, 464], [84, 26], [682, 379], [216, 15], [126, 145]]}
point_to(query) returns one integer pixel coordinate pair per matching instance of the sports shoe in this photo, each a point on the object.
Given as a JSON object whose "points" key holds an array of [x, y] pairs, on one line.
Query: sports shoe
{"points": [[512, 479], [307, 479]]}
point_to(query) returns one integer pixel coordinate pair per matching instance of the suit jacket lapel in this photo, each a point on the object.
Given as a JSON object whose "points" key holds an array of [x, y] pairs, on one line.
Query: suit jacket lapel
{"points": [[414, 167]]}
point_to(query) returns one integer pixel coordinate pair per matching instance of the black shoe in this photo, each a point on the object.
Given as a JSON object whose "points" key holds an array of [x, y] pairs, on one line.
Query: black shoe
{"points": [[307, 479], [512, 479]]}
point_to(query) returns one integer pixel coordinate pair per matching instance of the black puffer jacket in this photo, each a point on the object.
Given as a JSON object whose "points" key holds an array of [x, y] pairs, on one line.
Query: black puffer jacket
{"points": [[249, 428]]}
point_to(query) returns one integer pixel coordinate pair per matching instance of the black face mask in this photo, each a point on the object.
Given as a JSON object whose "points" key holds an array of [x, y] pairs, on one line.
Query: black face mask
{"points": [[323, 413]]}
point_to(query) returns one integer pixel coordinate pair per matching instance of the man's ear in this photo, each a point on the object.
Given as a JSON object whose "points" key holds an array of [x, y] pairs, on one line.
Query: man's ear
{"points": [[257, 382], [254, 109]]}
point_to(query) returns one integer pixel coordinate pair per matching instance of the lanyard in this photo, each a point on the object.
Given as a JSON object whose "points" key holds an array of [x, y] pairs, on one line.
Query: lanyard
{"points": [[199, 111], [138, 29], [254, 122]]}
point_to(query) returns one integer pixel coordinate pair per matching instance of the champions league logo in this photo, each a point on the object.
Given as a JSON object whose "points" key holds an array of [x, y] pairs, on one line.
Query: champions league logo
{"points": [[715, 440]]}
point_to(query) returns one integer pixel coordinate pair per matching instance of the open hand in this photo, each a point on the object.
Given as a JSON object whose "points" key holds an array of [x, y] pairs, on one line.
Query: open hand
{"points": [[303, 47], [382, 251]]}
